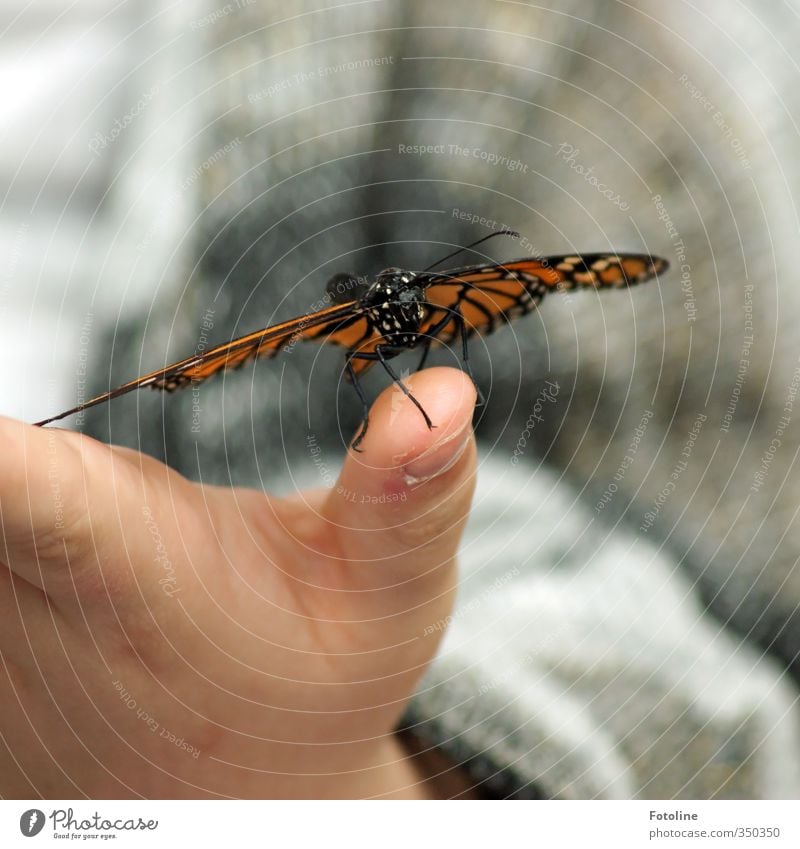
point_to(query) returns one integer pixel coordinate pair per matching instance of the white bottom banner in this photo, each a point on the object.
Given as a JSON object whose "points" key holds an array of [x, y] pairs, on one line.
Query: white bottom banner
{"points": [[393, 824]]}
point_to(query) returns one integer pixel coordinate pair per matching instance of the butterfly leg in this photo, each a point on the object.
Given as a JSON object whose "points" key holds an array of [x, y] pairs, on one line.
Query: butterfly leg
{"points": [[380, 355], [381, 351], [462, 330], [430, 335], [453, 315], [364, 405], [426, 349]]}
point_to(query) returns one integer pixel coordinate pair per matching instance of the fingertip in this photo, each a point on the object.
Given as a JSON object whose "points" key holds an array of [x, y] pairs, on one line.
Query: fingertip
{"points": [[401, 454], [406, 497], [398, 433]]}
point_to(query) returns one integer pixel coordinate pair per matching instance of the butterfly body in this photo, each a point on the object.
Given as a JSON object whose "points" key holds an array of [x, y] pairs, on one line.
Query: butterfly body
{"points": [[401, 310], [395, 306]]}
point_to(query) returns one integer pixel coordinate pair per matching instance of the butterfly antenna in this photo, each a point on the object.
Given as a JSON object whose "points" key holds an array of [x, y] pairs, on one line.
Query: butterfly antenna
{"points": [[473, 245]]}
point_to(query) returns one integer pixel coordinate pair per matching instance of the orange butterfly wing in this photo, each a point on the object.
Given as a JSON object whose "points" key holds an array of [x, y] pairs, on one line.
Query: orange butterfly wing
{"points": [[488, 296], [334, 323]]}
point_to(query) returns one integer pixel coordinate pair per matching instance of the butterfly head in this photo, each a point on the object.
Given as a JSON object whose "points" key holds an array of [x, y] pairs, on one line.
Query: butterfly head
{"points": [[395, 305]]}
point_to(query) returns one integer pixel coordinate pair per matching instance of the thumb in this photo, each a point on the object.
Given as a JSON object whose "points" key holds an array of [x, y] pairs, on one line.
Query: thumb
{"points": [[400, 506]]}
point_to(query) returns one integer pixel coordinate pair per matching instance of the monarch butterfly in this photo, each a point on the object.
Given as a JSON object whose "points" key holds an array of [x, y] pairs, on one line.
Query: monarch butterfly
{"points": [[403, 310]]}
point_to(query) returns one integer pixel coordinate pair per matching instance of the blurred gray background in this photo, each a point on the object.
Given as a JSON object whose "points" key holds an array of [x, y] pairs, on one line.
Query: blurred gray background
{"points": [[176, 176]]}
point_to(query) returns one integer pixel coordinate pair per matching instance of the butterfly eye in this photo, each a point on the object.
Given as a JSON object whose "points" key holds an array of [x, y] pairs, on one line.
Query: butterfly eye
{"points": [[345, 287]]}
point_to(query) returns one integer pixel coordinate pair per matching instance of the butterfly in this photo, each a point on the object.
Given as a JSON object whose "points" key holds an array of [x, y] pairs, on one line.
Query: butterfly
{"points": [[374, 320]]}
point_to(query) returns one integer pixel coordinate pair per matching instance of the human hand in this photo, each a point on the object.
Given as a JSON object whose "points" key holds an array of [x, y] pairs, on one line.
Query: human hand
{"points": [[165, 639]]}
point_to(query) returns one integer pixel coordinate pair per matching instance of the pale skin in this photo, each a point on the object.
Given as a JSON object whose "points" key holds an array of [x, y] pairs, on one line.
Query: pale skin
{"points": [[163, 639]]}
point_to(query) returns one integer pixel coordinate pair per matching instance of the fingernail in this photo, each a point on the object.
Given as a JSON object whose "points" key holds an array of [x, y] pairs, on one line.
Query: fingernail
{"points": [[438, 458]]}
